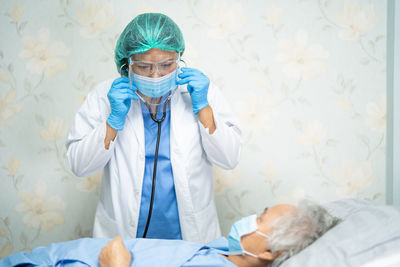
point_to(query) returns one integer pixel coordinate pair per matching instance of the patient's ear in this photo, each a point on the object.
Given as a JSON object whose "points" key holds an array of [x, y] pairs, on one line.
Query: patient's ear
{"points": [[269, 256]]}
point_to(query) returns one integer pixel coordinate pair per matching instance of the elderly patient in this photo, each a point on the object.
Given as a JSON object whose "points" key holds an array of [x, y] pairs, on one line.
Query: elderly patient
{"points": [[278, 233]]}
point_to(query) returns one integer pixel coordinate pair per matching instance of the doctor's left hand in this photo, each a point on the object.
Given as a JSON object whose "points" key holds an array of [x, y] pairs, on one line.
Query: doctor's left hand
{"points": [[197, 85]]}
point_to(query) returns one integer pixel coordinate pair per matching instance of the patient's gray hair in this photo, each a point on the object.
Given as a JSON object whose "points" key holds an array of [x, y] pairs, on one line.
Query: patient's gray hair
{"points": [[298, 229]]}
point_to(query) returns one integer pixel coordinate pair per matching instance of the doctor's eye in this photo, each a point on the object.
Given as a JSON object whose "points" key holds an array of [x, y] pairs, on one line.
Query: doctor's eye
{"points": [[166, 65], [143, 67]]}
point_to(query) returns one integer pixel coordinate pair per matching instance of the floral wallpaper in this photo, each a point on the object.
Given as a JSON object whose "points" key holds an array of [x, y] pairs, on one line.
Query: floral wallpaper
{"points": [[306, 78]]}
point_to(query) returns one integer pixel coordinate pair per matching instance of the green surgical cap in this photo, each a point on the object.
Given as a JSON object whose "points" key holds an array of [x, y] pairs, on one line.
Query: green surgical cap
{"points": [[147, 31]]}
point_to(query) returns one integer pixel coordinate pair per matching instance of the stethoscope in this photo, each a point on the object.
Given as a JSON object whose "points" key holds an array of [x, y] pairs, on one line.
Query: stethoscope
{"points": [[153, 116], [153, 183]]}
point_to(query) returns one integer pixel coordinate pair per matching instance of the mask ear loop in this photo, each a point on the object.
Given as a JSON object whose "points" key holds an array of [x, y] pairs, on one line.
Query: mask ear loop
{"points": [[264, 235], [184, 62], [252, 254], [120, 69], [177, 72]]}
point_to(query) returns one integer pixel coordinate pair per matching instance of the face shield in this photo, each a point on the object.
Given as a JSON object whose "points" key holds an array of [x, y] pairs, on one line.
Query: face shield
{"points": [[155, 81]]}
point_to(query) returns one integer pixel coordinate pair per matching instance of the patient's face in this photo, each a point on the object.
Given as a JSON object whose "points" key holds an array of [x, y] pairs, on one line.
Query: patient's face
{"points": [[256, 243]]}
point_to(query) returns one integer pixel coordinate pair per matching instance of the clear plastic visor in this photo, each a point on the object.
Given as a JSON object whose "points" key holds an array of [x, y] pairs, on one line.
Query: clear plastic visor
{"points": [[156, 82]]}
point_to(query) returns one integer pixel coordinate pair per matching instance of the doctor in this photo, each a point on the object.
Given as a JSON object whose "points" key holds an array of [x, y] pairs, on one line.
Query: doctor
{"points": [[156, 132]]}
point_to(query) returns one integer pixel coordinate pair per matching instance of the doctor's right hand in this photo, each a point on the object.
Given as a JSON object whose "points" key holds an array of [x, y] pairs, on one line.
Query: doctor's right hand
{"points": [[120, 96]]}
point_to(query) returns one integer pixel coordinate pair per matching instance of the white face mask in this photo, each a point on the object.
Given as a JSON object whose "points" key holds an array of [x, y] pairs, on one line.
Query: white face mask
{"points": [[244, 226]]}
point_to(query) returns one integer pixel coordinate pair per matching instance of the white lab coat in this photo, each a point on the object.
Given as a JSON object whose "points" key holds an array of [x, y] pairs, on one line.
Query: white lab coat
{"points": [[193, 151]]}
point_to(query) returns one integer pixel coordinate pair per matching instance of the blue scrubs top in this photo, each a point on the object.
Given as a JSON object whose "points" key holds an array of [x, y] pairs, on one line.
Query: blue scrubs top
{"points": [[164, 223]]}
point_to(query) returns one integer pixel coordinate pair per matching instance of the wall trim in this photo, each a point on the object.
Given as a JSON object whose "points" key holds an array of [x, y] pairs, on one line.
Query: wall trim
{"points": [[393, 104]]}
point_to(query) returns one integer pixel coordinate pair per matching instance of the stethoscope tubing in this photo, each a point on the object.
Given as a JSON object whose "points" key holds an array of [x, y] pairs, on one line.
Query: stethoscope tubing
{"points": [[153, 184]]}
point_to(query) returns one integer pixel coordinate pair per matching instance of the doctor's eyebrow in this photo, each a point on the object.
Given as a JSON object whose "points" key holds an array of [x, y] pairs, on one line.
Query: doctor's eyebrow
{"points": [[265, 210]]}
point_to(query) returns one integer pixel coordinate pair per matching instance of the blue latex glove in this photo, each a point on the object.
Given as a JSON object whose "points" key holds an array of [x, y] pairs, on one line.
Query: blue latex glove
{"points": [[120, 96], [197, 85]]}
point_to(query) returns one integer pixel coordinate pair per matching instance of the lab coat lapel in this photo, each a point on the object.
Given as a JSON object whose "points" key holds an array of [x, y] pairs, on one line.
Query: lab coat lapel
{"points": [[135, 127], [177, 109], [135, 121], [185, 204]]}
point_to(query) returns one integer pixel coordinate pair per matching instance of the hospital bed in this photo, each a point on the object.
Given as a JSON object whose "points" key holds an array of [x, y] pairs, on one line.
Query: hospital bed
{"points": [[368, 236]]}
